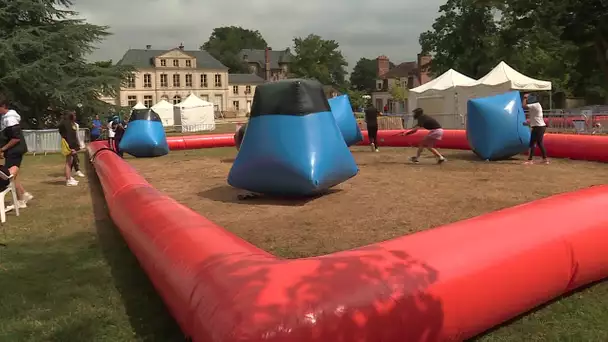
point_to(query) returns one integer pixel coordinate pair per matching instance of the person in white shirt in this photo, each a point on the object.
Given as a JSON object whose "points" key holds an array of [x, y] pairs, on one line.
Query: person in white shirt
{"points": [[537, 123], [111, 132]]}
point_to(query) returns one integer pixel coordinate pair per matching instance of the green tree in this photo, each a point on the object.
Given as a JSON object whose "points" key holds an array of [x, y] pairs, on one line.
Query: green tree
{"points": [[356, 98], [225, 44], [363, 77], [43, 50], [464, 37], [320, 59]]}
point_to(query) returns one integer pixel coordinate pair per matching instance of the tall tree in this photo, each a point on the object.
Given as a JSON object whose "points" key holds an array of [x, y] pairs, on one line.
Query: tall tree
{"points": [[226, 42], [363, 77], [43, 51], [464, 37], [320, 59]]}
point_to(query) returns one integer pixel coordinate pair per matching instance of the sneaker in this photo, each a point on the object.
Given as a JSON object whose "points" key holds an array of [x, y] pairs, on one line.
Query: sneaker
{"points": [[441, 160], [546, 161], [414, 160], [73, 179], [373, 146], [20, 204], [377, 150], [79, 174], [528, 162], [71, 182], [27, 197]]}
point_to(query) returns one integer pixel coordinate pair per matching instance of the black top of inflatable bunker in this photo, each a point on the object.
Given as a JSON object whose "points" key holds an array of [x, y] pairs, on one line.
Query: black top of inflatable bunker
{"points": [[296, 97], [144, 114]]}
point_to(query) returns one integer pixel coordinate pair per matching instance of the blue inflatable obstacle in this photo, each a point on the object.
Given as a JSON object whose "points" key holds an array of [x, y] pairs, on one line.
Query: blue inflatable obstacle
{"points": [[145, 135], [495, 126], [293, 146], [345, 118]]}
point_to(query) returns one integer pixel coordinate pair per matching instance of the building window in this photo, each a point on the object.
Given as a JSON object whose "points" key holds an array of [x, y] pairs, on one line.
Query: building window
{"points": [[147, 81], [164, 80], [188, 80], [205, 97], [235, 90], [176, 80], [131, 81], [235, 105], [188, 63], [204, 83], [177, 99], [247, 89], [148, 101], [163, 62], [131, 100], [218, 80], [175, 62]]}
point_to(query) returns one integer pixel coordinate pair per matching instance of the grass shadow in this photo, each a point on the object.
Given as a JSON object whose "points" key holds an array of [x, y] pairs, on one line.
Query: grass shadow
{"points": [[227, 160], [147, 313], [228, 194]]}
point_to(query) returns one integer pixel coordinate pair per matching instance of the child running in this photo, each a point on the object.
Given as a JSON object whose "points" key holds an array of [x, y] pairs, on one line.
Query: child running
{"points": [[371, 119], [435, 134]]}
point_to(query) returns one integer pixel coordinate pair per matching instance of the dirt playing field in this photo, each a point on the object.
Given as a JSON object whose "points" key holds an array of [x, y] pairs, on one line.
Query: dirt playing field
{"points": [[388, 198]]}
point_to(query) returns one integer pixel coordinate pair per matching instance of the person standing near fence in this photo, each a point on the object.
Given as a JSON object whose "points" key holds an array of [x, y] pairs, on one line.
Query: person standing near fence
{"points": [[13, 148], [76, 159], [96, 129], [69, 146], [111, 132], [371, 120], [538, 125]]}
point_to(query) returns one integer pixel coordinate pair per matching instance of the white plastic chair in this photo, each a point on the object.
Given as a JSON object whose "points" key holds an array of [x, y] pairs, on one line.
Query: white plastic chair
{"points": [[12, 189]]}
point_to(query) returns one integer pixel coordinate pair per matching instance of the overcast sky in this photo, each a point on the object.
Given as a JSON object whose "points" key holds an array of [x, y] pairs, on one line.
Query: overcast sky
{"points": [[363, 28]]}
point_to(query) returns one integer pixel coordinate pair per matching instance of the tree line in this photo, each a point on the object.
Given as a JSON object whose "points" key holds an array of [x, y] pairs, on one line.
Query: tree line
{"points": [[43, 50]]}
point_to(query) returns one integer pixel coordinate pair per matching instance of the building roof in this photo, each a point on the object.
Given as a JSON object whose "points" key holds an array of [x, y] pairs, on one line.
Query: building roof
{"points": [[401, 70], [143, 58], [245, 79], [277, 57]]}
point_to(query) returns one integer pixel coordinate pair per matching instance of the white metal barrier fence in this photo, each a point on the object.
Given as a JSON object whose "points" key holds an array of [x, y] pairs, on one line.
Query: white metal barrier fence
{"points": [[49, 140]]}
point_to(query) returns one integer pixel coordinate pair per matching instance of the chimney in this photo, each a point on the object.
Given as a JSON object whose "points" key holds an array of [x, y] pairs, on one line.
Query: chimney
{"points": [[424, 63], [382, 65], [181, 46], [267, 63], [148, 47]]}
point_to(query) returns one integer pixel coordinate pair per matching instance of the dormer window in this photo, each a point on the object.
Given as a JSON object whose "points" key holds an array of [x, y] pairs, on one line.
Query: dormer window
{"points": [[245, 57], [188, 63], [163, 62], [175, 62]]}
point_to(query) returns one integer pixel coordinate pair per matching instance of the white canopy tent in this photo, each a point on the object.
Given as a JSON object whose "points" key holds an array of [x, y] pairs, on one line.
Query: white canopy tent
{"points": [[501, 79], [193, 115], [165, 110], [439, 98], [139, 105]]}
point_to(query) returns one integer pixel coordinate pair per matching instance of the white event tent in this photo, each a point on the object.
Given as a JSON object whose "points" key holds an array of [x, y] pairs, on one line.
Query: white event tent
{"points": [[165, 110], [499, 80], [439, 98], [193, 115], [139, 105]]}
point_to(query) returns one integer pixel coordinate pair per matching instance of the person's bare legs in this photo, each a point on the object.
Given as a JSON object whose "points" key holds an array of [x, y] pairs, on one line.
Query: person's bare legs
{"points": [[14, 170], [435, 152], [68, 167]]}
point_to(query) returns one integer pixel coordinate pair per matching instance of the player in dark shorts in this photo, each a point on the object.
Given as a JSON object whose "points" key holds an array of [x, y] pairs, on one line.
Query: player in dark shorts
{"points": [[13, 148], [119, 128], [434, 135], [371, 119], [238, 136]]}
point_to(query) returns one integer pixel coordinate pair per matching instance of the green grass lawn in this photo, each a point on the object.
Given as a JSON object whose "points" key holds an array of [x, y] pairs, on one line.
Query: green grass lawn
{"points": [[67, 275]]}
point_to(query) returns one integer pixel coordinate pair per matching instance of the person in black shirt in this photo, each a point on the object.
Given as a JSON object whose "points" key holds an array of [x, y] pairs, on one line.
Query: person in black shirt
{"points": [[13, 148], [435, 134], [371, 119], [69, 137], [119, 128]]}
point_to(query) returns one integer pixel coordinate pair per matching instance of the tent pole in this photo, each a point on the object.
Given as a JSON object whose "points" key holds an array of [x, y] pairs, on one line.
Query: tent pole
{"points": [[551, 100]]}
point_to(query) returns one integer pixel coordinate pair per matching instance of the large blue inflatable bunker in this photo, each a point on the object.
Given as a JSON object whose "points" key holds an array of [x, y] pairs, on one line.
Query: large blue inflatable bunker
{"points": [[292, 145], [345, 118], [145, 135], [495, 126]]}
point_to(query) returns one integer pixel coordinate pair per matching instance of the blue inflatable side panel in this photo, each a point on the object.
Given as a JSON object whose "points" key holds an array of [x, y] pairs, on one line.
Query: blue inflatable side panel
{"points": [[495, 126], [144, 136], [292, 155], [345, 118]]}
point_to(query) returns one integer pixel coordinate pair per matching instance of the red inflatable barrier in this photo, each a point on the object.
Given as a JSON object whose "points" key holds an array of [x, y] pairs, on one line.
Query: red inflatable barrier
{"points": [[573, 146], [445, 284]]}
